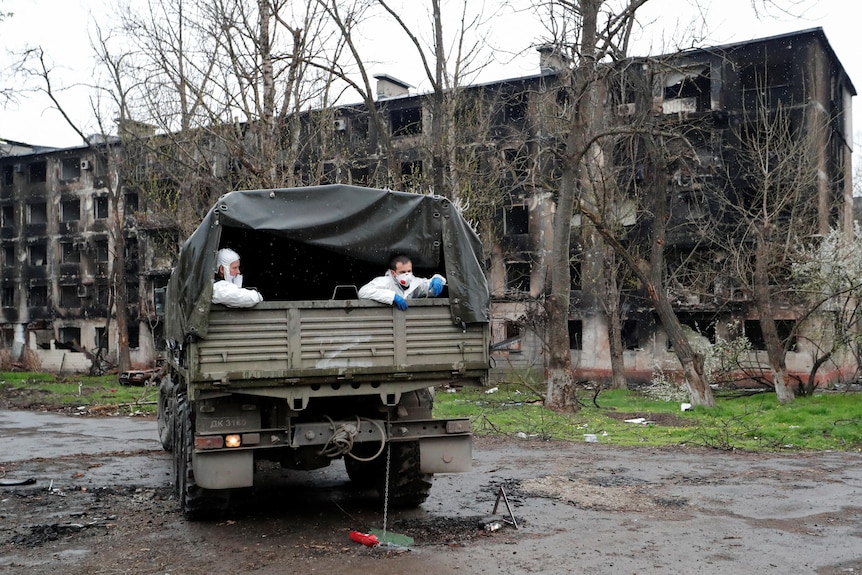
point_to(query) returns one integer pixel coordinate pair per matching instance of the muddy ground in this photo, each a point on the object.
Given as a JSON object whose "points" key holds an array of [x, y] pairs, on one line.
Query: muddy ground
{"points": [[102, 504]]}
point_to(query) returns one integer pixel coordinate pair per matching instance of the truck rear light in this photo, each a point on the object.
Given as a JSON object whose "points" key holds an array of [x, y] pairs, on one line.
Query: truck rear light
{"points": [[232, 440], [209, 442]]}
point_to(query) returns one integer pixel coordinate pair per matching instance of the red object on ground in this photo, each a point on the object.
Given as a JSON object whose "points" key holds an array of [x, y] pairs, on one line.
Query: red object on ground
{"points": [[367, 539]]}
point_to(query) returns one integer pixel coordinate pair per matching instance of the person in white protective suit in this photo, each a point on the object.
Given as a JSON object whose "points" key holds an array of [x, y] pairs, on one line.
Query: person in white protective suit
{"points": [[227, 289], [399, 284]]}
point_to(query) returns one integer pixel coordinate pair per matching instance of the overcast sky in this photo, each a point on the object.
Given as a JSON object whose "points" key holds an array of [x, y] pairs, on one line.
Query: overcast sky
{"points": [[61, 27]]}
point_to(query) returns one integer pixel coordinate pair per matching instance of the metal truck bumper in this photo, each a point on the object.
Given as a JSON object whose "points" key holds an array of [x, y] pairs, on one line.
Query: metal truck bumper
{"points": [[224, 470]]}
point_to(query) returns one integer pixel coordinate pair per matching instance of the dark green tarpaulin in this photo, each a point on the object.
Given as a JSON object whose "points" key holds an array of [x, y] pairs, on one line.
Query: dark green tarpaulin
{"points": [[355, 223]]}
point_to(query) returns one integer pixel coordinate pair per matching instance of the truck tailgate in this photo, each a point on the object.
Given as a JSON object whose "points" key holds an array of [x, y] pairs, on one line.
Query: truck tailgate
{"points": [[345, 338]]}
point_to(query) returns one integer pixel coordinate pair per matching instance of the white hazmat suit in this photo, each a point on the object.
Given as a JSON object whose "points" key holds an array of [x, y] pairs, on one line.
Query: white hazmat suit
{"points": [[383, 289], [229, 291]]}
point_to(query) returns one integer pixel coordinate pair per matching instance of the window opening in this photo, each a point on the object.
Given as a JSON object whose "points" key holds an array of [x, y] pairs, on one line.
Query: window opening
{"points": [[37, 213], [406, 122], [100, 205], [576, 328], [38, 255], [70, 169], [518, 276], [70, 210], [38, 172]]}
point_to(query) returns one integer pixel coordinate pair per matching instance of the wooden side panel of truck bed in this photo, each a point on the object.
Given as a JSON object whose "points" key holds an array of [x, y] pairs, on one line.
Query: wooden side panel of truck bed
{"points": [[323, 340]]}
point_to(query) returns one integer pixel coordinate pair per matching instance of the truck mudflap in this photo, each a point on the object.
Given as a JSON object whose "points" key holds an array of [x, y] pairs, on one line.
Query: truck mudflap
{"points": [[445, 446], [446, 454], [224, 470]]}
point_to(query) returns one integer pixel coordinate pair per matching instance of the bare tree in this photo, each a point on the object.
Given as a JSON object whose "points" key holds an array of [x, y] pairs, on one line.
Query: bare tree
{"points": [[769, 200], [109, 156], [226, 87]]}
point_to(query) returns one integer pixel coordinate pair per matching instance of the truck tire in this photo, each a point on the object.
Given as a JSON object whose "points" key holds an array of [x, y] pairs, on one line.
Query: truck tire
{"points": [[167, 406], [196, 503], [408, 486], [365, 474]]}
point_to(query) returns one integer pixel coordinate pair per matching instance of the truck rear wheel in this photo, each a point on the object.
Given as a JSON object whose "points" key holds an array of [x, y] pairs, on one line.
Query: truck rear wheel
{"points": [[365, 474], [196, 503], [408, 486], [167, 406]]}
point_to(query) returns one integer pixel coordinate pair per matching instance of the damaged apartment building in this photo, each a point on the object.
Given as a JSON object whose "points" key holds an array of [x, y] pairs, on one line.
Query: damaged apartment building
{"points": [[504, 168], [56, 246]]}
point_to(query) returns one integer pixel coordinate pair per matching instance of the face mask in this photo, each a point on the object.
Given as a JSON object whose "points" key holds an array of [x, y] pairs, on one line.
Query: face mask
{"points": [[235, 280], [404, 279]]}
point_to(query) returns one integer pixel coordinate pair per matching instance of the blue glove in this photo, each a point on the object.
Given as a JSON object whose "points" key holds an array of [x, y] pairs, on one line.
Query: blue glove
{"points": [[436, 286], [399, 302]]}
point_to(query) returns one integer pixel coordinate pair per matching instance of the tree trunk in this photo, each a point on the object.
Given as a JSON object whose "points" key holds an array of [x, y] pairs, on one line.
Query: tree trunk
{"points": [[611, 298], [118, 275], [691, 361], [763, 302], [560, 381]]}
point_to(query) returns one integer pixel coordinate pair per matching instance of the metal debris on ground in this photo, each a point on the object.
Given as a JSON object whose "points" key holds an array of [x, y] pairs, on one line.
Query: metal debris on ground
{"points": [[501, 494]]}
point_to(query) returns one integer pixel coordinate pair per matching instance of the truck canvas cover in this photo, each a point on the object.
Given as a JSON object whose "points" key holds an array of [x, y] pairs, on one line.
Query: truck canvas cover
{"points": [[301, 243]]}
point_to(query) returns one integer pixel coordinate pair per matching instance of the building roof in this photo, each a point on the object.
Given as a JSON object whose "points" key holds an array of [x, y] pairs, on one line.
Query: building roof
{"points": [[9, 148]]}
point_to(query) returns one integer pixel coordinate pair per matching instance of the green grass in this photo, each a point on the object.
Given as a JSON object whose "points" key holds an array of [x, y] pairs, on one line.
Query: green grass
{"points": [[827, 421], [103, 394]]}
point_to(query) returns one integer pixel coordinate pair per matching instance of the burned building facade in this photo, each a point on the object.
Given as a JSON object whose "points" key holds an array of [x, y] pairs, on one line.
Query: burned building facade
{"points": [[57, 244], [502, 164]]}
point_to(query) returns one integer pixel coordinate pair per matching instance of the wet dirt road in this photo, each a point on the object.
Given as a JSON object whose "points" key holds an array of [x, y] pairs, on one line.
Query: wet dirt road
{"points": [[102, 504]]}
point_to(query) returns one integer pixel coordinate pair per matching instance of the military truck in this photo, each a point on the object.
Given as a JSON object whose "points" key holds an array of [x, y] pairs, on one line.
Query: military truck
{"points": [[313, 374]]}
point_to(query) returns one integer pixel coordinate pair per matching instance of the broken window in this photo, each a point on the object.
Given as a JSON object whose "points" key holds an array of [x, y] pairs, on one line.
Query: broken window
{"points": [[37, 296], [100, 295], [767, 83], [516, 107], [69, 254], [406, 122], [38, 172], [360, 176], [506, 336], [518, 276], [101, 251], [517, 164], [69, 335], [101, 339], [70, 210], [38, 254], [630, 334], [411, 173], [9, 254], [754, 334], [69, 296], [8, 216], [359, 129], [131, 202], [37, 213], [516, 220], [575, 271], [513, 336], [8, 296], [576, 328], [132, 294], [134, 333], [687, 89], [786, 333], [701, 323], [7, 178], [70, 169], [100, 207]]}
